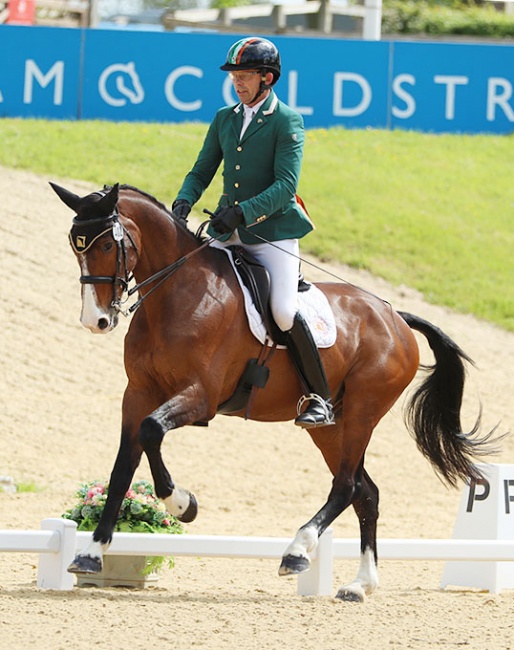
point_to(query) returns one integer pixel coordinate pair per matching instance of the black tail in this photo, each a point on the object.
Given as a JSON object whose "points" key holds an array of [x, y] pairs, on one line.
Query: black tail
{"points": [[433, 413]]}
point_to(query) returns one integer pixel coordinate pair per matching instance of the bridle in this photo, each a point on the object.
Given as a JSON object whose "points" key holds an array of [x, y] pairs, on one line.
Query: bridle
{"points": [[85, 233]]}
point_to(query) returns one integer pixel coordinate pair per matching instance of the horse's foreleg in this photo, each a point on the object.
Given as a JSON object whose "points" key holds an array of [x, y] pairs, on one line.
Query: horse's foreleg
{"points": [[365, 504], [89, 560], [179, 411]]}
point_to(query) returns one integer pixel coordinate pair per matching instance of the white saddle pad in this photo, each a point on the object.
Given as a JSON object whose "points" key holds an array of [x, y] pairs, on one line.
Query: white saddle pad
{"points": [[313, 305]]}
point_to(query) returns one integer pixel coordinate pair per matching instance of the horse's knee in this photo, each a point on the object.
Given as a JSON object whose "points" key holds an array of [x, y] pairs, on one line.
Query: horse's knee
{"points": [[151, 433]]}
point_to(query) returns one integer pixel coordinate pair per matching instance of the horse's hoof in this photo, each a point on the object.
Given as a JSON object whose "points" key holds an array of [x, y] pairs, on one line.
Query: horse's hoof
{"points": [[85, 564], [293, 564], [350, 596], [191, 511]]}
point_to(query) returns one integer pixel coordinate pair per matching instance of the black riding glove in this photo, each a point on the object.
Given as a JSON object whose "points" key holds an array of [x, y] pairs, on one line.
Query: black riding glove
{"points": [[181, 209], [226, 220]]}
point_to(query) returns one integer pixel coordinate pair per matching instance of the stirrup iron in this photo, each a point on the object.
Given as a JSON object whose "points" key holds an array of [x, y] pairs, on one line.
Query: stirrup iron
{"points": [[318, 415]]}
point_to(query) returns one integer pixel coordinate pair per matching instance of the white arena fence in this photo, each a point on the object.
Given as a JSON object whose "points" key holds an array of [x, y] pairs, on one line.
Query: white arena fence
{"points": [[58, 541]]}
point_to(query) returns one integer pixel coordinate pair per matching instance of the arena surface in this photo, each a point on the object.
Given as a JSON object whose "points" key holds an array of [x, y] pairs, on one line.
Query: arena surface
{"points": [[60, 391]]}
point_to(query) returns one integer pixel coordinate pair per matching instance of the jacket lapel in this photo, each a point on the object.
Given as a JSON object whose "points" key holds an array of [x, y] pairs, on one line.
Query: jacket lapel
{"points": [[237, 120], [259, 120]]}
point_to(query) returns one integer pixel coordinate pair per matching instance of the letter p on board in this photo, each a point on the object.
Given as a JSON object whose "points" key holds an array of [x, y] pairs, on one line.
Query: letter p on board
{"points": [[486, 511]]}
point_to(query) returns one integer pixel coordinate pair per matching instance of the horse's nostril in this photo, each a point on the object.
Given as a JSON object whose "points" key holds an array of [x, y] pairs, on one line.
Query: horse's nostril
{"points": [[103, 323]]}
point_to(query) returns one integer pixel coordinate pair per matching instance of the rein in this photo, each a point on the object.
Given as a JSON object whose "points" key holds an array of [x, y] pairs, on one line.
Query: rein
{"points": [[161, 275], [82, 243]]}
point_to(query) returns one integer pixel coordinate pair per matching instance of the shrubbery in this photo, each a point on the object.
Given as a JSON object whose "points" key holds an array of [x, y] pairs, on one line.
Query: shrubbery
{"points": [[445, 18]]}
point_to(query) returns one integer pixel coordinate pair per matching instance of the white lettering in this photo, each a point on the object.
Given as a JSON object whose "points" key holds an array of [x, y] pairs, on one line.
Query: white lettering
{"points": [[33, 72], [122, 73], [293, 95], [500, 99], [339, 79], [228, 96], [169, 88], [450, 82], [404, 96]]}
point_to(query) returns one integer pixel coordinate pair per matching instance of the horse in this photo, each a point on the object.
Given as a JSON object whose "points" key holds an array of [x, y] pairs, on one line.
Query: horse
{"points": [[187, 346]]}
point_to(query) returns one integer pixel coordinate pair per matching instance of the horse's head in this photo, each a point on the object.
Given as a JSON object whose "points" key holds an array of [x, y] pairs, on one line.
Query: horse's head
{"points": [[106, 253]]}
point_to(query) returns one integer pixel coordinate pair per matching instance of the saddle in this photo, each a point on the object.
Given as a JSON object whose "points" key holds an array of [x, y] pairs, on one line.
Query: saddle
{"points": [[256, 279]]}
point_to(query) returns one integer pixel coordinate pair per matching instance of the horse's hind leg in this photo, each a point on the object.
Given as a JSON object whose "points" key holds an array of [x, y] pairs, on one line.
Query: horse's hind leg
{"points": [[296, 557], [365, 505]]}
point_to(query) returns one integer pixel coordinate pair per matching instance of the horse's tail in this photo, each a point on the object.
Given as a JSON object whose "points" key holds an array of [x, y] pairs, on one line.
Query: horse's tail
{"points": [[433, 412]]}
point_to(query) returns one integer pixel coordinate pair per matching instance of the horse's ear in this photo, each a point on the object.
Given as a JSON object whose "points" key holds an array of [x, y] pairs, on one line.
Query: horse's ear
{"points": [[108, 202], [67, 197]]}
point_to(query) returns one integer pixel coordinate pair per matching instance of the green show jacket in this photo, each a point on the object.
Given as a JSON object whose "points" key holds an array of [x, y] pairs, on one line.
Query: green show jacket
{"points": [[260, 172]]}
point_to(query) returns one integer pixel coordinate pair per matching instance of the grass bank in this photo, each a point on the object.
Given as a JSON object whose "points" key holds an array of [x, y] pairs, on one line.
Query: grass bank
{"points": [[434, 212]]}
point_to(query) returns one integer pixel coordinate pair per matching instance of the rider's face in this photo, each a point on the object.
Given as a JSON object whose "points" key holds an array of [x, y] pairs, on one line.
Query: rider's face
{"points": [[247, 83]]}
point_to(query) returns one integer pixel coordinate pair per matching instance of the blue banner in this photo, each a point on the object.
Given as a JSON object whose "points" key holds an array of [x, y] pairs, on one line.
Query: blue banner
{"points": [[453, 88], [124, 75], [42, 74]]}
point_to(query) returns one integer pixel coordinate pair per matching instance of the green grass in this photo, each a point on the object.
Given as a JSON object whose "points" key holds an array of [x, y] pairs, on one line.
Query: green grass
{"points": [[28, 487], [433, 212]]}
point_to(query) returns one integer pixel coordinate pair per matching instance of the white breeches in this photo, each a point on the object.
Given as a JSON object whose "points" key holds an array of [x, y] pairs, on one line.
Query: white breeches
{"points": [[281, 260]]}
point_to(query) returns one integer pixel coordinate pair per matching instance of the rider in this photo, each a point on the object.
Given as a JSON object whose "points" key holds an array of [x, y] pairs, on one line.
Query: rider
{"points": [[260, 141]]}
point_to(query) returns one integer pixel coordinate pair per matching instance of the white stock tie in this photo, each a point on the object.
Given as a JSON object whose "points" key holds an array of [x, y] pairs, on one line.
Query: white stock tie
{"points": [[246, 121]]}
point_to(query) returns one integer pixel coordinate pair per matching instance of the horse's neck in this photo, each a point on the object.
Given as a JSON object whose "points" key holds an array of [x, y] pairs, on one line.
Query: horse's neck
{"points": [[163, 242]]}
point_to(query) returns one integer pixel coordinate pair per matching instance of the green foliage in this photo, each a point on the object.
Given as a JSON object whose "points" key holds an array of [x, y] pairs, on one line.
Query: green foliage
{"points": [[445, 18], [224, 4], [433, 212], [141, 512], [30, 487]]}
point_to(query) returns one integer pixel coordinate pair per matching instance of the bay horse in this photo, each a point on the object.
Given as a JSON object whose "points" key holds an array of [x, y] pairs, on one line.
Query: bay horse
{"points": [[187, 347]]}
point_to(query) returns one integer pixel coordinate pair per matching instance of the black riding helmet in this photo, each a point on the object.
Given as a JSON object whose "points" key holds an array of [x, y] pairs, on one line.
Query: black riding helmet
{"points": [[254, 53]]}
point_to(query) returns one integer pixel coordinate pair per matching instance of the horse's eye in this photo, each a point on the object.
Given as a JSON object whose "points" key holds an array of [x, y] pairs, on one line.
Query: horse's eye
{"points": [[107, 246]]}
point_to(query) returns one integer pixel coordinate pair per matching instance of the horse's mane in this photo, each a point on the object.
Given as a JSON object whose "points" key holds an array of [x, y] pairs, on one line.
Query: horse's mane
{"points": [[180, 222]]}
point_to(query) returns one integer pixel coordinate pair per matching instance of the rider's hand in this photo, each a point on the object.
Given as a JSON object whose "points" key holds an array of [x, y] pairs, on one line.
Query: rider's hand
{"points": [[226, 220], [181, 209]]}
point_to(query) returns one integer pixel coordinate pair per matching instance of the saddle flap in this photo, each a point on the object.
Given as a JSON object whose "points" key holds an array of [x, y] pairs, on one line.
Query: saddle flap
{"points": [[255, 277]]}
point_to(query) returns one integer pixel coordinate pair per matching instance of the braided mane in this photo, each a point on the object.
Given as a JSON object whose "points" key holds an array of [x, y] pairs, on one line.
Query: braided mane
{"points": [[180, 222]]}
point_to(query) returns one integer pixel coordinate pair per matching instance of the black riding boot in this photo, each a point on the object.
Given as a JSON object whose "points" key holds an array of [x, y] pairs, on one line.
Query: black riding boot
{"points": [[305, 357]]}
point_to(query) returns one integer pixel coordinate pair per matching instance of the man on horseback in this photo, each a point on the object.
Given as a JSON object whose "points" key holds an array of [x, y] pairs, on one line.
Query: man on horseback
{"points": [[260, 141]]}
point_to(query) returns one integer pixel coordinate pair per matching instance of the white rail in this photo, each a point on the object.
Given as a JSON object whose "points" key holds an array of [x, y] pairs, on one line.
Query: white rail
{"points": [[58, 541]]}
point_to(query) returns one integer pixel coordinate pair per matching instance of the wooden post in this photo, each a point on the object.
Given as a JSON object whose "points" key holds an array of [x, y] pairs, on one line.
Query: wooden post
{"points": [[325, 18], [224, 17], [372, 28], [279, 19], [93, 15]]}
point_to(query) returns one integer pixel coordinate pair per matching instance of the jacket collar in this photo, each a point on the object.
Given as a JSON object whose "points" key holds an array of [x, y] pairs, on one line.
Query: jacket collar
{"points": [[266, 110], [269, 106]]}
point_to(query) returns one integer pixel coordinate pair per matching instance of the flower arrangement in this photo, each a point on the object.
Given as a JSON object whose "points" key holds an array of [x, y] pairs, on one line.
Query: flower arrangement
{"points": [[141, 512]]}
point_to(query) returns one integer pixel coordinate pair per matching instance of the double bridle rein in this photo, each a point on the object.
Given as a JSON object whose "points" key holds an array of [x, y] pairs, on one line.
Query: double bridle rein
{"points": [[83, 235]]}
